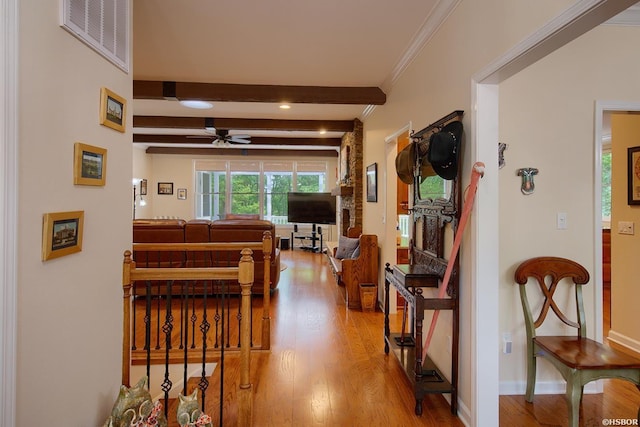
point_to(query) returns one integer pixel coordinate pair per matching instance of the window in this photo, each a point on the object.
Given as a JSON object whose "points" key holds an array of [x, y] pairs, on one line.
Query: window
{"points": [[606, 186], [276, 187], [211, 194], [245, 194], [254, 187]]}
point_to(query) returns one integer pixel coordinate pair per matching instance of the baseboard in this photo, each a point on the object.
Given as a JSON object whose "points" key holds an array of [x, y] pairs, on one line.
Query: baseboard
{"points": [[624, 341], [517, 388], [463, 411]]}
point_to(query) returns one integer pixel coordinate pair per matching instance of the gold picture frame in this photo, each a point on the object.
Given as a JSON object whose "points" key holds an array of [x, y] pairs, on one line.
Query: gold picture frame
{"points": [[113, 110], [61, 234], [89, 164]]}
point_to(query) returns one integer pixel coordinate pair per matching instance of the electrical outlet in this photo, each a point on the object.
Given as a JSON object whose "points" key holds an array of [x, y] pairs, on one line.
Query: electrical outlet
{"points": [[626, 227]]}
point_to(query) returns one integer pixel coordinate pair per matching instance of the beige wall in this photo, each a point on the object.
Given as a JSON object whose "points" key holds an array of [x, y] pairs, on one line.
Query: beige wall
{"points": [[69, 309], [625, 293], [179, 169], [435, 84], [547, 119], [439, 81]]}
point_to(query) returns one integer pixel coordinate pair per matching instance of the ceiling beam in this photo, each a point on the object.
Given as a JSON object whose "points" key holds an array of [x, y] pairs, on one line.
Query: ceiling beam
{"points": [[244, 124], [201, 139], [224, 151], [226, 92]]}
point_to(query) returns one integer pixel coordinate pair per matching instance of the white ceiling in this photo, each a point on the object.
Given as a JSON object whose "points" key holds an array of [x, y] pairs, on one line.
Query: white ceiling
{"points": [[279, 42]]}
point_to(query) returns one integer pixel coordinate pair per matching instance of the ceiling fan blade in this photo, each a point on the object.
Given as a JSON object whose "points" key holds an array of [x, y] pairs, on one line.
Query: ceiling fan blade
{"points": [[236, 140]]}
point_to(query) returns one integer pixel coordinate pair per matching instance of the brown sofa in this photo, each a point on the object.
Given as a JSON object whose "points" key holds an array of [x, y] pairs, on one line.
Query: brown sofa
{"points": [[202, 231]]}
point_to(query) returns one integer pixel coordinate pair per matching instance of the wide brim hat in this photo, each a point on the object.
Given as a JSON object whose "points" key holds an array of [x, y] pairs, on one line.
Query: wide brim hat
{"points": [[405, 161], [444, 150]]}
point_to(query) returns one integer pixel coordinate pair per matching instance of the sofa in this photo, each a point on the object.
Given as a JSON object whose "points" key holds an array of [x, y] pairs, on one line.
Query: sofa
{"points": [[204, 231], [354, 261]]}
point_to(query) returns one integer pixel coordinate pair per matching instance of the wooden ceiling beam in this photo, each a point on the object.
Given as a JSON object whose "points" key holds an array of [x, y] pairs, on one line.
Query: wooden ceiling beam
{"points": [[245, 124], [201, 139], [224, 151], [226, 92]]}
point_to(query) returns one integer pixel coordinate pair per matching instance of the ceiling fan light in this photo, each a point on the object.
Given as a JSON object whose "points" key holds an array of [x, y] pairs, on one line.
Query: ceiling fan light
{"points": [[194, 103], [285, 106]]}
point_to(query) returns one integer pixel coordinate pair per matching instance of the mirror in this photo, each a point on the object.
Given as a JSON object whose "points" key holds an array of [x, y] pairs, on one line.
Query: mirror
{"points": [[433, 187]]}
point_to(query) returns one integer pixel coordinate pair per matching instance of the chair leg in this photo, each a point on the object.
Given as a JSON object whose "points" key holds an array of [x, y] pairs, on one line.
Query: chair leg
{"points": [[574, 399], [531, 374]]}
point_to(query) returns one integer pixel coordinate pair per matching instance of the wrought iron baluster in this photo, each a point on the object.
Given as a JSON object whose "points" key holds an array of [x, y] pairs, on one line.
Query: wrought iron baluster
{"points": [[147, 328], [167, 327], [194, 317]]}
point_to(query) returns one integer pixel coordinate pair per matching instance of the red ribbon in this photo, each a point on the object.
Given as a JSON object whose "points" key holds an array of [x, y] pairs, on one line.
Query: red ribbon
{"points": [[476, 173]]}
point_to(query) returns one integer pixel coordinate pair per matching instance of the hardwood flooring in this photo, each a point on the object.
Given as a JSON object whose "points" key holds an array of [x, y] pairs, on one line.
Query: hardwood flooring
{"points": [[327, 367]]}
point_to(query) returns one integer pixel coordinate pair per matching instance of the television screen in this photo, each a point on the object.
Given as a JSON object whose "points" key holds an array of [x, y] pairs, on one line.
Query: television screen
{"points": [[311, 208]]}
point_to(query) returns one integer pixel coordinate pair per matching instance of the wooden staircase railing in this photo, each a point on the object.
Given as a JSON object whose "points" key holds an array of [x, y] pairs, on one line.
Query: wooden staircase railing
{"points": [[217, 287]]}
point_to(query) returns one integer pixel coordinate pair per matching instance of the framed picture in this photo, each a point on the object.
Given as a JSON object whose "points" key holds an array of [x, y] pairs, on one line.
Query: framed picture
{"points": [[372, 183], [89, 164], [182, 194], [143, 187], [165, 188], [113, 110], [61, 234], [633, 176]]}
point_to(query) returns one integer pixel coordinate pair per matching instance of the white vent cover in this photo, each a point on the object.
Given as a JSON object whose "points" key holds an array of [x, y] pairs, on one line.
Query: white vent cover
{"points": [[102, 24]]}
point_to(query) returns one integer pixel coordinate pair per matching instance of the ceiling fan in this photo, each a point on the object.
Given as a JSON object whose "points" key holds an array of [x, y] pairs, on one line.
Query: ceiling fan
{"points": [[222, 137]]}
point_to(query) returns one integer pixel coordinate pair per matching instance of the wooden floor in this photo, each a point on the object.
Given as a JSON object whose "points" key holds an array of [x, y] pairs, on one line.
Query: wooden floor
{"points": [[327, 367]]}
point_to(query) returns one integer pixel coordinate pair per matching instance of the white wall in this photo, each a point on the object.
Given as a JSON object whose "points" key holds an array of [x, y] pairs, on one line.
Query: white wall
{"points": [[69, 309], [547, 119]]}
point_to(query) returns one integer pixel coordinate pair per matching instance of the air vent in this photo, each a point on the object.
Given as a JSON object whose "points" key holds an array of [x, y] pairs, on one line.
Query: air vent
{"points": [[101, 24]]}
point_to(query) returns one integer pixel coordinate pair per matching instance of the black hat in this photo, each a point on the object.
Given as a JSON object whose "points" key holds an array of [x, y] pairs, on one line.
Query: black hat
{"points": [[444, 150]]}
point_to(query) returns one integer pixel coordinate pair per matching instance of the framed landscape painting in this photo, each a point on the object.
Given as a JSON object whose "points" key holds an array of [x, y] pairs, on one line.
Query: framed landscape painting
{"points": [[61, 234], [113, 109], [89, 164]]}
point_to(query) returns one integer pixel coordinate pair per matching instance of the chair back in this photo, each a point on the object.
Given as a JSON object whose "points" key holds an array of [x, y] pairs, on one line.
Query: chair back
{"points": [[556, 269]]}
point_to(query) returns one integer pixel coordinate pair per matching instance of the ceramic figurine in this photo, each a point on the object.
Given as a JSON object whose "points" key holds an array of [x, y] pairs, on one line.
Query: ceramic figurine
{"points": [[189, 413], [134, 407]]}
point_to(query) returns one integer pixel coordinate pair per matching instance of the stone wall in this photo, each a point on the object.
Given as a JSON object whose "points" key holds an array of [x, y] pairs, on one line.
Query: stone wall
{"points": [[351, 205]]}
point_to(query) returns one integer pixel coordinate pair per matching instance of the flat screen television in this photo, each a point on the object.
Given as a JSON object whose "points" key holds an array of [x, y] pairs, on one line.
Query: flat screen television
{"points": [[311, 208]]}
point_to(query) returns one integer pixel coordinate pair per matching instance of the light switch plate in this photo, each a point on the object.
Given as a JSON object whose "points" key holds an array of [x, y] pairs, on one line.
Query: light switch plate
{"points": [[626, 227]]}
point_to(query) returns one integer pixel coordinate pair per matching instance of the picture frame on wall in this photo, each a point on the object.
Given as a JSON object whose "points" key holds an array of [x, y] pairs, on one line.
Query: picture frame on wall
{"points": [[89, 164], [113, 110], [165, 188], [61, 234], [143, 187], [182, 194], [372, 182], [633, 176]]}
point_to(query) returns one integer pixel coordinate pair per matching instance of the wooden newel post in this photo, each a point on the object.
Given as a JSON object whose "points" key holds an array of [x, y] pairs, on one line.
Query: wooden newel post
{"points": [[245, 278], [267, 244], [128, 264]]}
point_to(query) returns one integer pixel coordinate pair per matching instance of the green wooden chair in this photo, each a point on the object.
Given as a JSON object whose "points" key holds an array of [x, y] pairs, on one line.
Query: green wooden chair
{"points": [[579, 359]]}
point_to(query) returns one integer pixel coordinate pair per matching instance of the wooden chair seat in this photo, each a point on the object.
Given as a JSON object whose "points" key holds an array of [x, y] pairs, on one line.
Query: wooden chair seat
{"points": [[585, 353], [579, 359]]}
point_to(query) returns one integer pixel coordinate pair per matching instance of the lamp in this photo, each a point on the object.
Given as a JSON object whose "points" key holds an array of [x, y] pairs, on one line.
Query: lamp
{"points": [[143, 191]]}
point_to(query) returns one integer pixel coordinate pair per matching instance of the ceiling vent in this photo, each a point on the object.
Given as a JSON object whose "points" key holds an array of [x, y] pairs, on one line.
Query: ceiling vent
{"points": [[101, 24]]}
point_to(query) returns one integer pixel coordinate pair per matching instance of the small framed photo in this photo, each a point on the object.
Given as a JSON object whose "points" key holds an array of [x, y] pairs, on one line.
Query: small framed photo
{"points": [[61, 234], [182, 194], [165, 188], [89, 164], [113, 110], [372, 183], [633, 176]]}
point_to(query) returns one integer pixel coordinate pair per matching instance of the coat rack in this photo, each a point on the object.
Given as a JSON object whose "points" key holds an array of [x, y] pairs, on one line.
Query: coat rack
{"points": [[420, 136]]}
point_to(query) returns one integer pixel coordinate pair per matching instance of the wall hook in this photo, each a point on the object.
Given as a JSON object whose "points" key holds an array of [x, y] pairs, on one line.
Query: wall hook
{"points": [[527, 175]]}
